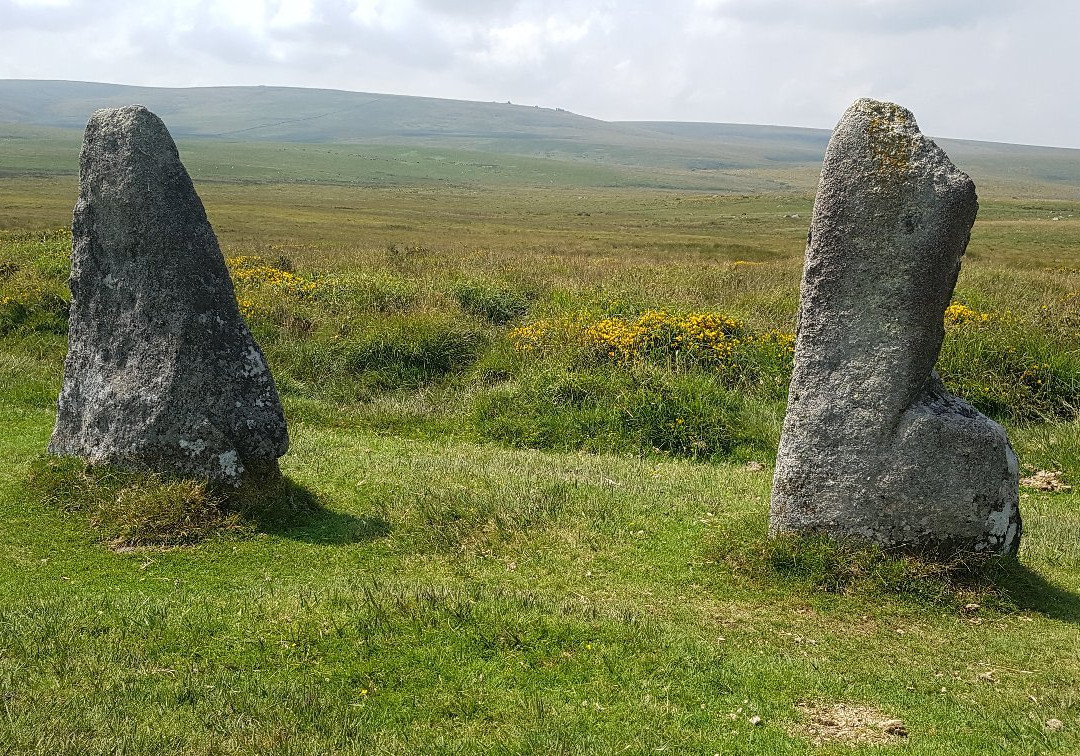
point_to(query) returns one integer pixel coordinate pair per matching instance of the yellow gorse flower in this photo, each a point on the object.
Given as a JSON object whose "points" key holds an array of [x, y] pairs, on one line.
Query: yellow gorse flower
{"points": [[957, 313], [256, 280], [709, 336]]}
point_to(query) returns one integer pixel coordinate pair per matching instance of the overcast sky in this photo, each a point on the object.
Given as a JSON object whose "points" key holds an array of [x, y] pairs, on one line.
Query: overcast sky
{"points": [[1002, 70]]}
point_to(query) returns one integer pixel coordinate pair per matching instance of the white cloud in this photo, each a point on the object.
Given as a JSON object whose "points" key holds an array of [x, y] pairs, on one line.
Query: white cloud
{"points": [[876, 16], [991, 69]]}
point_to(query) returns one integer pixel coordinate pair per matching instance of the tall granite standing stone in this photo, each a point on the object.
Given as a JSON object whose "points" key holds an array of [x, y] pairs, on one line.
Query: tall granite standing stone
{"points": [[161, 372], [873, 446]]}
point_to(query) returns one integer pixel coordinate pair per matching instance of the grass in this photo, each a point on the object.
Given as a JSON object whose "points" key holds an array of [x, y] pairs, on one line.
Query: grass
{"points": [[505, 550]]}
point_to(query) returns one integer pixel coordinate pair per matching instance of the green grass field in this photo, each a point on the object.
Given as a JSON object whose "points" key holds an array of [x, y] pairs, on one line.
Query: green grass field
{"points": [[538, 521]]}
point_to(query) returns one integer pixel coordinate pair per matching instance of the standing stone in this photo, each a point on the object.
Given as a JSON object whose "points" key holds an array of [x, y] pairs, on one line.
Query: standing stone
{"points": [[873, 446], [161, 372]]}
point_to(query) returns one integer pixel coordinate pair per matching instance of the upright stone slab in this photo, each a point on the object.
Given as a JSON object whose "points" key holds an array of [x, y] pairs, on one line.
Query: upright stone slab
{"points": [[873, 445], [161, 372]]}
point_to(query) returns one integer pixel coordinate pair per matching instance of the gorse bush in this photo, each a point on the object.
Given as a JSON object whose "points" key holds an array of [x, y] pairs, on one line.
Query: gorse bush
{"points": [[709, 341], [264, 289], [699, 386], [698, 337]]}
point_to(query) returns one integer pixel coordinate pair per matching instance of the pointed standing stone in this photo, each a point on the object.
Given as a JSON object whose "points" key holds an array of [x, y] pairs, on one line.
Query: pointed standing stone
{"points": [[161, 372], [873, 445]]}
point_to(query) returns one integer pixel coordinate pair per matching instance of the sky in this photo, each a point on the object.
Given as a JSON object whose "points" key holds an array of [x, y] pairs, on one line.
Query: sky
{"points": [[998, 70]]}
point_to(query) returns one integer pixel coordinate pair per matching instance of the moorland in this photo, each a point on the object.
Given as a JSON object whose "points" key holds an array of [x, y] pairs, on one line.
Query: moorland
{"points": [[534, 375]]}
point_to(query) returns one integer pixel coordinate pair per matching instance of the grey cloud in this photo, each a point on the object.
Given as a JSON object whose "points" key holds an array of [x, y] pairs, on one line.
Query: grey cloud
{"points": [[331, 36], [485, 9], [990, 69], [418, 44], [879, 16], [79, 13]]}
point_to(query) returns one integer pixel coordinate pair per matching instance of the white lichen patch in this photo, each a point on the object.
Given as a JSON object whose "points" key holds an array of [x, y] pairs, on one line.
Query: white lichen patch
{"points": [[193, 447], [997, 524], [253, 363], [230, 464]]}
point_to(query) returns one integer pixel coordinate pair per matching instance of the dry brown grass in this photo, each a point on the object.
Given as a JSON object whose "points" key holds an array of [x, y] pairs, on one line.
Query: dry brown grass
{"points": [[848, 724]]}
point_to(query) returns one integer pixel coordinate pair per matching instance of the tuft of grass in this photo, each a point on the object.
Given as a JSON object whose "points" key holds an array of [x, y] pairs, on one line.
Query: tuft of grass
{"points": [[495, 301], [35, 311], [459, 519], [134, 509], [390, 352], [33, 278], [1013, 368], [820, 563], [635, 410]]}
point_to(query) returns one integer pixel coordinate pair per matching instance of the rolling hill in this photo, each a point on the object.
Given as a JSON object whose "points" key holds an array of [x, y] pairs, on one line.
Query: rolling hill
{"points": [[281, 133]]}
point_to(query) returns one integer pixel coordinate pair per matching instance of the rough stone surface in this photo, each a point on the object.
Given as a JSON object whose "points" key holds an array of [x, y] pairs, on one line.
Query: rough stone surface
{"points": [[161, 372], [873, 445]]}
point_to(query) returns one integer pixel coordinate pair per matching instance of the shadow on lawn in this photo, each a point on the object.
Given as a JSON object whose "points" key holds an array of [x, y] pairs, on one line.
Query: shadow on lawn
{"points": [[1027, 590], [295, 512], [820, 564]]}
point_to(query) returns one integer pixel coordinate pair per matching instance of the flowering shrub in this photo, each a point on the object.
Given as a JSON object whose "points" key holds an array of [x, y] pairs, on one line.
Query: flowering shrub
{"points": [[252, 272], [711, 341], [260, 286], [702, 339], [706, 336], [957, 314]]}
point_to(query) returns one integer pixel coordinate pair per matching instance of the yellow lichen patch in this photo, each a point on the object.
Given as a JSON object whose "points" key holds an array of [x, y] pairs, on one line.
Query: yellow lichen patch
{"points": [[893, 147]]}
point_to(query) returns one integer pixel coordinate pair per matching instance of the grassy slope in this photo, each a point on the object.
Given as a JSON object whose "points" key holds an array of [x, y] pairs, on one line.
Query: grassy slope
{"points": [[277, 133], [460, 597], [457, 596]]}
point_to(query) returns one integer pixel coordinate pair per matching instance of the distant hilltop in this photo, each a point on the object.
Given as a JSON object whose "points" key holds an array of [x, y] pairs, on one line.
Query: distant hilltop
{"points": [[786, 156]]}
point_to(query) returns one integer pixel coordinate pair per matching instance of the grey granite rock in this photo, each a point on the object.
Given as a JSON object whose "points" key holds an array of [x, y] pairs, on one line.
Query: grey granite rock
{"points": [[873, 446], [161, 372]]}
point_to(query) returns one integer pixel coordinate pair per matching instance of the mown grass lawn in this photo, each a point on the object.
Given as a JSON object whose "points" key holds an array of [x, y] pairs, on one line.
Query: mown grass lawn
{"points": [[453, 592]]}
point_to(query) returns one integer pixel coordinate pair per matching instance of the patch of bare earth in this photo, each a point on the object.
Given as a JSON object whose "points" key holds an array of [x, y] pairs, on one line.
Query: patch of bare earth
{"points": [[850, 724], [1046, 480]]}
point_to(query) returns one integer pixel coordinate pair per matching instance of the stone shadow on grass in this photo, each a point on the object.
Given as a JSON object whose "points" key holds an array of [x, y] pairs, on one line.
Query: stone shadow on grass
{"points": [[291, 510], [1027, 590], [822, 564]]}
